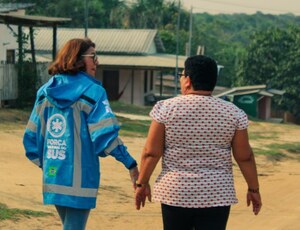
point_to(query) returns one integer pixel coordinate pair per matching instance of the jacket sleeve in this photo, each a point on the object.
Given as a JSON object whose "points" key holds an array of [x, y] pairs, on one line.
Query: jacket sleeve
{"points": [[103, 129], [30, 140]]}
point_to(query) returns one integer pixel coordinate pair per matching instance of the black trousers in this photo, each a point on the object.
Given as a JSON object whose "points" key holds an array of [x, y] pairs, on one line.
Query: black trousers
{"points": [[177, 218]]}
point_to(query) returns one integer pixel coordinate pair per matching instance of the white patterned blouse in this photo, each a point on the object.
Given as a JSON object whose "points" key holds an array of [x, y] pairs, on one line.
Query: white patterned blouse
{"points": [[197, 163]]}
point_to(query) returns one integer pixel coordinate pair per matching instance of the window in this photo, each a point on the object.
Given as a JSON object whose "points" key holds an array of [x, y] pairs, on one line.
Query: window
{"points": [[10, 56]]}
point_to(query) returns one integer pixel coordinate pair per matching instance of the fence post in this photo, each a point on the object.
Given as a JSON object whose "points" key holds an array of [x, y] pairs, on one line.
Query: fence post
{"points": [[0, 98]]}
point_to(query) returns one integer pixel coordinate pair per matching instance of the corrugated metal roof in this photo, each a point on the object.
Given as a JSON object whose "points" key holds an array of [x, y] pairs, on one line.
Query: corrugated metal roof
{"points": [[240, 89], [259, 89], [8, 7], [244, 92], [154, 61], [266, 93], [110, 41], [219, 90], [276, 91], [30, 20]]}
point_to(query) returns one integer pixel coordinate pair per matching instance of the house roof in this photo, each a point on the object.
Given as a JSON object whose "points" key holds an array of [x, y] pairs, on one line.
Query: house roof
{"points": [[108, 41], [125, 48], [276, 91], [152, 61], [9, 7], [29, 20], [219, 90], [168, 81], [259, 89]]}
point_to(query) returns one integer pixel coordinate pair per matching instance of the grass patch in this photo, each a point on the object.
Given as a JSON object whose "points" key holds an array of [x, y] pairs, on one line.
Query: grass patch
{"points": [[121, 107], [293, 148], [271, 154], [133, 128], [278, 151], [262, 135], [14, 115], [14, 213], [269, 151], [13, 118], [9, 126]]}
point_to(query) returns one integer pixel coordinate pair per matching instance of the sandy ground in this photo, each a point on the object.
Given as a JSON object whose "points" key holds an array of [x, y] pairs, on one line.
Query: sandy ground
{"points": [[20, 187]]}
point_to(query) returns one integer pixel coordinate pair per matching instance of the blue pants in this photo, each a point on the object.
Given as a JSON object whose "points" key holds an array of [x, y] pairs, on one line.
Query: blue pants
{"points": [[73, 218]]}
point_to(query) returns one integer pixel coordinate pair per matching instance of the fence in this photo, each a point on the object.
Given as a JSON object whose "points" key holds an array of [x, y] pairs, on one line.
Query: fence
{"points": [[9, 80]]}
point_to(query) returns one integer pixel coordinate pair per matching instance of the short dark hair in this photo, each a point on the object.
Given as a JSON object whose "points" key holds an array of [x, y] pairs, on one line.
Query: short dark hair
{"points": [[203, 72], [69, 59]]}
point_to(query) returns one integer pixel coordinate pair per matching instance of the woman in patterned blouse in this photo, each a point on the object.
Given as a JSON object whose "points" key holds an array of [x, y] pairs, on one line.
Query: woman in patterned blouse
{"points": [[195, 133]]}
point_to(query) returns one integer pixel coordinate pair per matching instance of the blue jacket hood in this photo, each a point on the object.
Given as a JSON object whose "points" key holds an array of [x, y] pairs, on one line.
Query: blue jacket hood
{"points": [[63, 89]]}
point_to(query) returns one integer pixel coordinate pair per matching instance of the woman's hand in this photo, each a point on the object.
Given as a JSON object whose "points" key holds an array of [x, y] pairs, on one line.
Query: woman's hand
{"points": [[141, 193], [255, 199]]}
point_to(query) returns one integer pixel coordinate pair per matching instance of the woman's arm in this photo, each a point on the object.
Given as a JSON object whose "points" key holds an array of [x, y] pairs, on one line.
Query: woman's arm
{"points": [[244, 156], [152, 152]]}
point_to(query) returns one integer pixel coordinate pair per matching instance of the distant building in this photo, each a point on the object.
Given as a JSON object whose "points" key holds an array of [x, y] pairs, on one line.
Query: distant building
{"points": [[255, 100], [129, 59], [8, 42]]}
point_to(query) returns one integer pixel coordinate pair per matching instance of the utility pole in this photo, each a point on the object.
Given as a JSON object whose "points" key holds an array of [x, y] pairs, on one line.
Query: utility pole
{"points": [[177, 49], [190, 31], [86, 15]]}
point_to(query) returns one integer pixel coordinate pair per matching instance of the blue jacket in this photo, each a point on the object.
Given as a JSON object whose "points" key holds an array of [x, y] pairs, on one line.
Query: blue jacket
{"points": [[70, 126]]}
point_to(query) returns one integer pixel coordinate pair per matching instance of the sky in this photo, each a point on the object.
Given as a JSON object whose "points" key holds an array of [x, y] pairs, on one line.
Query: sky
{"points": [[243, 6]]}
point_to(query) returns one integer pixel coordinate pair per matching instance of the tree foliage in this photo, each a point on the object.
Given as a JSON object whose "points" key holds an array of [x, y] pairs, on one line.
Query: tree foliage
{"points": [[226, 36], [249, 50], [272, 58]]}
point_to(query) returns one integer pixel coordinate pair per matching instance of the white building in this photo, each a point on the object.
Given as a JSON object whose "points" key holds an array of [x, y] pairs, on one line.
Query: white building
{"points": [[8, 38]]}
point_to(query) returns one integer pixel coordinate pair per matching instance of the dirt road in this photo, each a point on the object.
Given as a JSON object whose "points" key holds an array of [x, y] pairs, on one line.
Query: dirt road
{"points": [[21, 188]]}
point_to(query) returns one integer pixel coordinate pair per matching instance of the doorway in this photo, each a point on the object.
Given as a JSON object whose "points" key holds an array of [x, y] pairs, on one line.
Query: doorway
{"points": [[111, 84]]}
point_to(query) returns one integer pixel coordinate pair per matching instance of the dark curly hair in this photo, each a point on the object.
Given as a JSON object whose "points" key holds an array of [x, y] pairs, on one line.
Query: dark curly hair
{"points": [[203, 72]]}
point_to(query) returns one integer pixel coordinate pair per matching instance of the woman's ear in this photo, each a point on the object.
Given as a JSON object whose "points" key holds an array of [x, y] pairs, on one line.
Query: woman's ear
{"points": [[187, 82]]}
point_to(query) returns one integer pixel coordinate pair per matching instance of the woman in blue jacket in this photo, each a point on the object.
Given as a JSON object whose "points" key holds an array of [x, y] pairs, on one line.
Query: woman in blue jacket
{"points": [[70, 126]]}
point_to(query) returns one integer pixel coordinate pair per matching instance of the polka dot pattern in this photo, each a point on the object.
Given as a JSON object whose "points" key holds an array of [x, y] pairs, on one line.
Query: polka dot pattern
{"points": [[197, 163]]}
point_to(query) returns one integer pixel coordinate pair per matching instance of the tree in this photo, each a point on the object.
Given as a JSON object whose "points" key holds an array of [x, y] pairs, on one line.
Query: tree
{"points": [[102, 13], [272, 58], [146, 14]]}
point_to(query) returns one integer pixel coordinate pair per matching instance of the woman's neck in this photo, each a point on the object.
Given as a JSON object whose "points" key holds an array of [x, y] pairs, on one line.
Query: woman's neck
{"points": [[198, 92]]}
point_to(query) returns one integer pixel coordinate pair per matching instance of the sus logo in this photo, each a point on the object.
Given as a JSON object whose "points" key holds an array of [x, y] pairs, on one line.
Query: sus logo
{"points": [[56, 125]]}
